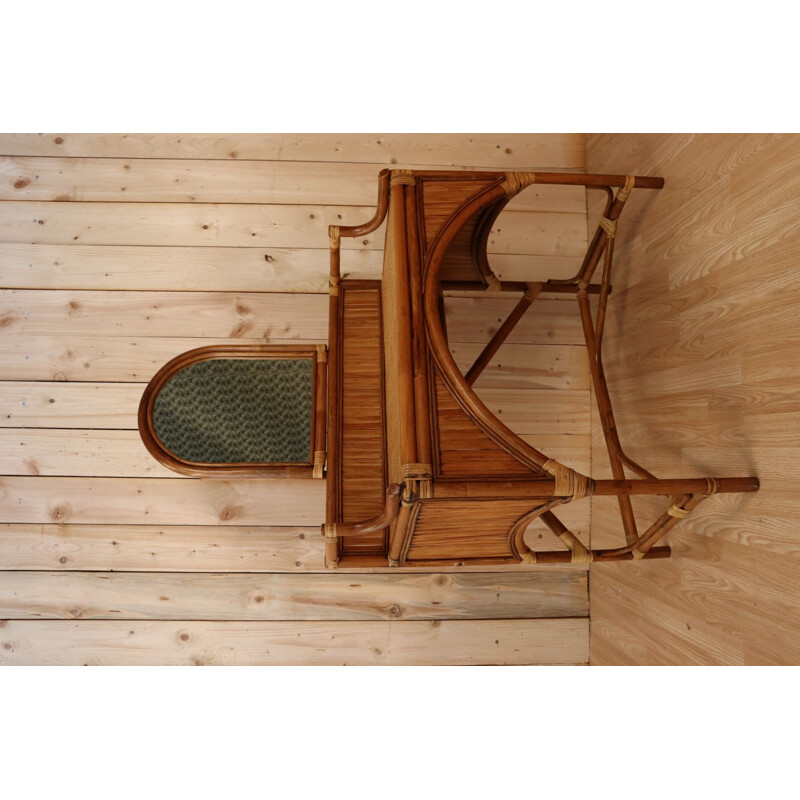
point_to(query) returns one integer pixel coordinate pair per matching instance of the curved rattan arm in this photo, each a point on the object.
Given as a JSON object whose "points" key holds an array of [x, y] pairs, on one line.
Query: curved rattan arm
{"points": [[333, 530], [335, 232], [380, 211]]}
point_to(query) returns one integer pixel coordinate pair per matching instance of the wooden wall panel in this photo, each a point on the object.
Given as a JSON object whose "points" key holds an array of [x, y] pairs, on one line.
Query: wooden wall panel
{"points": [[224, 269], [491, 150], [451, 642], [118, 252], [701, 358], [222, 181], [333, 596], [185, 269]]}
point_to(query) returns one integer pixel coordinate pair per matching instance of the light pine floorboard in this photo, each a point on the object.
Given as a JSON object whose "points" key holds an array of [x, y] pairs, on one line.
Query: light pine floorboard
{"points": [[154, 180], [332, 596], [118, 252], [701, 358], [220, 269], [490, 150], [195, 643]]}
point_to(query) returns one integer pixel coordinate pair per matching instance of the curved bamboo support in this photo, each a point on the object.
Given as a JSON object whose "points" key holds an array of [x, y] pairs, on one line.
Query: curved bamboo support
{"points": [[335, 530], [516, 533], [480, 240], [440, 351]]}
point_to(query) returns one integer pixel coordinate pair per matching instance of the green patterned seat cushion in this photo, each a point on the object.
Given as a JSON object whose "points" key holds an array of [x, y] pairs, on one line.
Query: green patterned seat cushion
{"points": [[233, 410]]}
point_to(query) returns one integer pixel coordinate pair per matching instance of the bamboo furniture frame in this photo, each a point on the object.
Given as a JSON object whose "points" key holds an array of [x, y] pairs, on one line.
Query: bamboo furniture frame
{"points": [[425, 514]]}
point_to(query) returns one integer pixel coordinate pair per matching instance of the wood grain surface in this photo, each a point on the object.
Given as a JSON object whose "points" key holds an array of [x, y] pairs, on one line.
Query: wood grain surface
{"points": [[701, 358]]}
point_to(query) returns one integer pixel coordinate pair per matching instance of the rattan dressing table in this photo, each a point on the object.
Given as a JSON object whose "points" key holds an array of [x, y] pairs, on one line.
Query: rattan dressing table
{"points": [[419, 471]]}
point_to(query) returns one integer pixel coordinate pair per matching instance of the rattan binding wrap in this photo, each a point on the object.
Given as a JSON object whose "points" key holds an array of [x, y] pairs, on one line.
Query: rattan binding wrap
{"points": [[534, 290], [517, 181], [319, 464], [580, 555], [415, 472], [402, 177], [609, 226], [423, 474], [676, 511], [569, 483], [624, 192], [493, 283], [329, 530]]}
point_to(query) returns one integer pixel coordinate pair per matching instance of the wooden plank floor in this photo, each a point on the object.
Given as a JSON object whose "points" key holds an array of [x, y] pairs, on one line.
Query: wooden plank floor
{"points": [[701, 357], [117, 252]]}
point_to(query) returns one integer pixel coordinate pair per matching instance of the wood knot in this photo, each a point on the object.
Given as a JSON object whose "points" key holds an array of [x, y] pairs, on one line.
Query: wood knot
{"points": [[229, 513], [59, 513], [22, 183]]}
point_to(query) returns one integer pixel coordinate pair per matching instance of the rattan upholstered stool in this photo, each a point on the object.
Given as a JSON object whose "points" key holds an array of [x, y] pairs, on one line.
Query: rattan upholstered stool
{"points": [[239, 410]]}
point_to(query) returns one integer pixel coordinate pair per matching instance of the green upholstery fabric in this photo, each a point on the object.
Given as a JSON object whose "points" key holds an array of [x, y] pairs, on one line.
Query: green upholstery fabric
{"points": [[231, 410]]}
